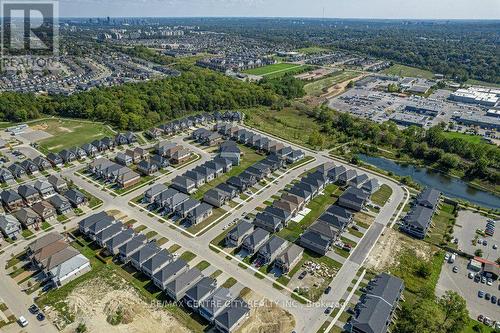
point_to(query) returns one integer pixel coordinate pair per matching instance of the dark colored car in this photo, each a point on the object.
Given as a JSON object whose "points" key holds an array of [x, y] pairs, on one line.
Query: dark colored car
{"points": [[33, 309], [487, 296], [328, 310], [328, 289], [302, 275], [493, 299], [40, 316]]}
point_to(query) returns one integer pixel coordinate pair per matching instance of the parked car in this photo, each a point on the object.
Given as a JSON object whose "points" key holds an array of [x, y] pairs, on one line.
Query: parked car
{"points": [[487, 296], [483, 279], [477, 278], [471, 275], [494, 299], [22, 321], [489, 281], [480, 317], [455, 269], [302, 275], [495, 246], [33, 309], [328, 289], [40, 316], [328, 310], [480, 294]]}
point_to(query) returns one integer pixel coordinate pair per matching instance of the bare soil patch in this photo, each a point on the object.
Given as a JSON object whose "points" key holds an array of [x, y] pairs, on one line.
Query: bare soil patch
{"points": [[267, 317]]}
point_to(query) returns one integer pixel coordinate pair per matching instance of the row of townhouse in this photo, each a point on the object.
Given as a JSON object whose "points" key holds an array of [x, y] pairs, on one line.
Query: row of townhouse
{"points": [[27, 167], [259, 142], [206, 137], [172, 275], [179, 204], [418, 221], [58, 261], [108, 171], [179, 125], [91, 150]]}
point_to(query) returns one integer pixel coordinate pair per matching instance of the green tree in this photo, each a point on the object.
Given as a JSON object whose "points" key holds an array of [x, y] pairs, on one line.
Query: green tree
{"points": [[454, 308]]}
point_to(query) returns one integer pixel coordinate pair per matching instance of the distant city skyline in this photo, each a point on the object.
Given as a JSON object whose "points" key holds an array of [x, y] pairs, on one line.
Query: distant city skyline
{"points": [[367, 9]]}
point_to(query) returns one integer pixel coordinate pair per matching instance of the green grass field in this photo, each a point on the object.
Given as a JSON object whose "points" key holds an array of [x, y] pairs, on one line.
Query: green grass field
{"points": [[482, 83], [271, 69], [316, 88], [69, 133], [468, 137], [289, 124], [312, 50], [406, 71], [382, 195]]}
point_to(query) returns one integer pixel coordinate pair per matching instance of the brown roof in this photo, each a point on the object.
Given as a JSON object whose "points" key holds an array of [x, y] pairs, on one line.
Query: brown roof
{"points": [[286, 205], [41, 207], [50, 250], [59, 257], [44, 241], [293, 199]]}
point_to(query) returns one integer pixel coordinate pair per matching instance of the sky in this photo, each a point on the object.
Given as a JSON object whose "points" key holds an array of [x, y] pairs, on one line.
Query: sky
{"points": [[389, 9]]}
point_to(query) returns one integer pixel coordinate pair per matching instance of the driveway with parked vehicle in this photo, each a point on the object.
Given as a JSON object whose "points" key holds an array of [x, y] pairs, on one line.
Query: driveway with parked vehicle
{"points": [[474, 232]]}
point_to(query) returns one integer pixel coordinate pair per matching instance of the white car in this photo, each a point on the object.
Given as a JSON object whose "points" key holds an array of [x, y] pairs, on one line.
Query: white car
{"points": [[446, 257], [489, 282], [22, 321]]}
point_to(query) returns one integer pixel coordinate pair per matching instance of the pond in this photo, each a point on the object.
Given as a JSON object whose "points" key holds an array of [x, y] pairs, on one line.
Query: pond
{"points": [[449, 186]]}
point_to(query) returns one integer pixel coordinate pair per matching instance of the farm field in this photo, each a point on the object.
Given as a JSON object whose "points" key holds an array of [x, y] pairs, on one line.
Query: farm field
{"points": [[405, 71], [69, 133], [316, 88]]}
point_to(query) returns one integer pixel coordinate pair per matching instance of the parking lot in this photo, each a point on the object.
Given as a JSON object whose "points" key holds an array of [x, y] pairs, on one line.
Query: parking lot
{"points": [[465, 230], [468, 289]]}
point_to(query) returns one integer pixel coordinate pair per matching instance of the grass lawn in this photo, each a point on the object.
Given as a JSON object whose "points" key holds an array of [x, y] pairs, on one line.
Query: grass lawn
{"points": [[26, 233], [316, 88], [174, 248], [443, 222], [312, 50], [69, 133], [382, 195], [188, 256], [202, 265], [405, 71], [93, 201], [482, 83], [469, 137], [473, 323], [142, 182], [229, 282], [249, 157], [46, 225], [216, 214], [289, 124], [318, 206], [266, 70]]}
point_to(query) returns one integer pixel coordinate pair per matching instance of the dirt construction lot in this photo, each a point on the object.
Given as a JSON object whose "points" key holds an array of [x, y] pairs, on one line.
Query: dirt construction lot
{"points": [[114, 307], [390, 246], [267, 317]]}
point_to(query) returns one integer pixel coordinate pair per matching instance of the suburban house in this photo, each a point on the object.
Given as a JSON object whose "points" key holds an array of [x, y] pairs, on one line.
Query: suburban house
{"points": [[215, 197], [164, 198], [67, 156], [184, 184], [123, 159], [314, 190], [335, 172], [316, 242], [238, 183], [113, 245], [42, 163], [10, 226], [268, 222], [418, 221], [218, 167], [28, 218], [97, 227], [200, 213], [16, 170], [137, 154], [341, 212], [271, 250], [338, 222], [6, 175], [230, 319], [294, 200], [145, 253], [375, 309], [287, 260], [295, 156], [346, 177], [105, 235], [87, 222], [230, 150], [129, 248], [55, 160], [306, 196], [60, 203], [237, 235], [75, 197], [44, 188], [186, 207], [359, 180], [181, 156], [176, 200], [199, 292], [128, 178], [255, 240], [283, 215], [287, 206], [147, 168], [371, 186], [157, 262], [215, 304], [45, 210], [155, 190], [29, 194], [65, 266], [353, 198], [159, 161], [429, 198], [177, 288], [166, 149], [125, 138], [169, 272], [90, 149], [58, 183], [30, 167], [198, 179], [79, 152], [230, 191], [154, 133], [12, 200]]}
